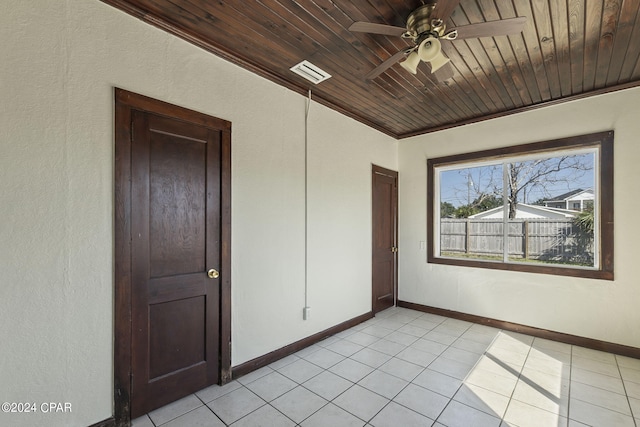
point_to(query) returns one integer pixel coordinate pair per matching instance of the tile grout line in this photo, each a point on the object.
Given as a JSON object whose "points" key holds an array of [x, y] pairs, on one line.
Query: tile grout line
{"points": [[475, 364], [267, 403], [517, 381], [462, 381], [450, 399], [377, 369], [570, 384], [189, 411], [207, 406], [347, 389], [350, 387], [302, 385], [624, 387], [604, 389], [392, 357]]}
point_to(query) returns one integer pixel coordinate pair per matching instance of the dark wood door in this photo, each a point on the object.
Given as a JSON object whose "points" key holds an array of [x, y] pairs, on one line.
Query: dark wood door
{"points": [[175, 227], [385, 245]]}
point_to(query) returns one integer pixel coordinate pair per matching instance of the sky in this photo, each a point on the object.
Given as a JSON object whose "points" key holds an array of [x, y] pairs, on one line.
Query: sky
{"points": [[462, 185]]}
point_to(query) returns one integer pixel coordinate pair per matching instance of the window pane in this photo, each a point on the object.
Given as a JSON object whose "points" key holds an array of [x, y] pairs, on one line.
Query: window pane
{"points": [[545, 198], [471, 213]]}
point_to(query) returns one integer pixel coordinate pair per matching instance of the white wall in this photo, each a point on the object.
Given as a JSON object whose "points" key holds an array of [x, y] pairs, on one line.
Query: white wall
{"points": [[60, 62], [603, 310]]}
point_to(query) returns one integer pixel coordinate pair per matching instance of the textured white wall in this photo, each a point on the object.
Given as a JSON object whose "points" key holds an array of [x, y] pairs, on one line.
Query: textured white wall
{"points": [[604, 310], [60, 62]]}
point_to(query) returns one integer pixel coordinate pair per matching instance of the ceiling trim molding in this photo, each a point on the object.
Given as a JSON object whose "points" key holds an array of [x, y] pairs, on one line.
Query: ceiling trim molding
{"points": [[523, 109]]}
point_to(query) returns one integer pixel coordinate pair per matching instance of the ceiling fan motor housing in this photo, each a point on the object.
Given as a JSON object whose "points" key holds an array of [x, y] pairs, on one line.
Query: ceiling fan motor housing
{"points": [[420, 23]]}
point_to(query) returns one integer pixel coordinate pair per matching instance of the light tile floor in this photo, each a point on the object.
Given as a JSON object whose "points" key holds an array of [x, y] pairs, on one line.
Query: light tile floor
{"points": [[407, 368]]}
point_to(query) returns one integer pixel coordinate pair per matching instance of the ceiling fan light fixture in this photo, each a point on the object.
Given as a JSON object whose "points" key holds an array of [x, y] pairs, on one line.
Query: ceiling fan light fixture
{"points": [[411, 63], [438, 62], [430, 50]]}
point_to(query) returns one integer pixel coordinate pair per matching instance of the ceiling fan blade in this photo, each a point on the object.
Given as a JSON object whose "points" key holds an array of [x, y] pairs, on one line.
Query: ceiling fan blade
{"points": [[444, 9], [370, 27], [388, 63], [493, 28]]}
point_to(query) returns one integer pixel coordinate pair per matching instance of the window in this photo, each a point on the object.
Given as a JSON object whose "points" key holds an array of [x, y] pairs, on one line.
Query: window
{"points": [[492, 209]]}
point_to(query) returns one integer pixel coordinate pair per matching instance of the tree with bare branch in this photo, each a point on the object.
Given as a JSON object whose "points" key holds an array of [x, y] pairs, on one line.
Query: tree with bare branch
{"points": [[534, 178]]}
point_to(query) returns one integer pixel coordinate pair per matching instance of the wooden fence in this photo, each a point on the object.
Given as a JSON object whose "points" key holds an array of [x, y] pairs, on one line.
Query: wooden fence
{"points": [[537, 239]]}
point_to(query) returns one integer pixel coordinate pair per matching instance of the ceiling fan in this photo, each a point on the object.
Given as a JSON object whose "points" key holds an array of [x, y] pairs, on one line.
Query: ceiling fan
{"points": [[426, 28]]}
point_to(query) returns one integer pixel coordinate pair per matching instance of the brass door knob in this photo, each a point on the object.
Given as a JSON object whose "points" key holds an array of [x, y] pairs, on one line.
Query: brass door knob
{"points": [[213, 273]]}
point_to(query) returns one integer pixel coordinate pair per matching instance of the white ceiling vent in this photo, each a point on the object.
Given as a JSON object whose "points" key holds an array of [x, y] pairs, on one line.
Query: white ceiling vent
{"points": [[310, 72]]}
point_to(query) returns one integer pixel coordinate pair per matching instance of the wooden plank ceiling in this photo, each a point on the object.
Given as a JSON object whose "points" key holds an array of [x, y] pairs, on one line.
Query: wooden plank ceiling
{"points": [[568, 49]]}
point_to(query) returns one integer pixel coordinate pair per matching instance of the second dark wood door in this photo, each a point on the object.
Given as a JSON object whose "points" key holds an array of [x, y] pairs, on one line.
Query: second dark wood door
{"points": [[175, 226], [384, 238]]}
